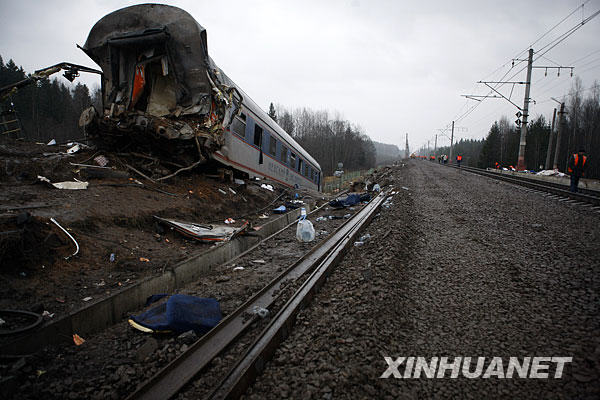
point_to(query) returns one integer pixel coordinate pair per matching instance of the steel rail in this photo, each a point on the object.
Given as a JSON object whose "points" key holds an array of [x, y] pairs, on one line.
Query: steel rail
{"points": [[527, 182], [170, 379], [556, 185], [254, 360]]}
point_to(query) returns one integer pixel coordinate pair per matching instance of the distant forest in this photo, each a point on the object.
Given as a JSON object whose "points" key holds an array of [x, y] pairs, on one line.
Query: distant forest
{"points": [[330, 139], [581, 129], [47, 109]]}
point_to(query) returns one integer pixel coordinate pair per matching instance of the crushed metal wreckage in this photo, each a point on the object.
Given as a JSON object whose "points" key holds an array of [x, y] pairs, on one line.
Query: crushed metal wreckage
{"points": [[159, 85], [206, 233]]}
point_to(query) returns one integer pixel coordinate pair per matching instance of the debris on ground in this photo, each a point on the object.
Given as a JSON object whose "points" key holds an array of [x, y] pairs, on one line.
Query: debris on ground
{"points": [[76, 185], [209, 233]]}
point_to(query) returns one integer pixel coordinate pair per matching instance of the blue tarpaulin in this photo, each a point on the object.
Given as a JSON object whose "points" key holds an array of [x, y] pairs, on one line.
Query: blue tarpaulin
{"points": [[181, 313]]}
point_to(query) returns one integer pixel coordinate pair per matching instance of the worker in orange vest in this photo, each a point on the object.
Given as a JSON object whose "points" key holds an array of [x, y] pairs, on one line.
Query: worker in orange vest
{"points": [[576, 168], [497, 165], [458, 160]]}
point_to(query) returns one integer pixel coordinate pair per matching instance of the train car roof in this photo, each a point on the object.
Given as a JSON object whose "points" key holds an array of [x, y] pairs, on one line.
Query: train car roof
{"points": [[274, 126], [150, 24], [186, 38]]}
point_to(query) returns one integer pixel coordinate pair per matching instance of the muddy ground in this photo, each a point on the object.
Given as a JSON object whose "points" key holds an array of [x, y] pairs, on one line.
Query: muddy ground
{"points": [[114, 215], [110, 364]]}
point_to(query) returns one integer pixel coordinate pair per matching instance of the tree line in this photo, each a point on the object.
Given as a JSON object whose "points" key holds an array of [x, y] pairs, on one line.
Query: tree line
{"points": [[47, 109], [329, 138], [580, 130]]}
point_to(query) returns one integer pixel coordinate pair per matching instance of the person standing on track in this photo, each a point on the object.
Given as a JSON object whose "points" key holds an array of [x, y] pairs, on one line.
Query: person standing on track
{"points": [[458, 160], [576, 168]]}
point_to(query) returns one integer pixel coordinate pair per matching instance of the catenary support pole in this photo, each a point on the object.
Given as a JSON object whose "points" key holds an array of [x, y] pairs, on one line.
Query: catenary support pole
{"points": [[451, 143], [549, 151], [523, 141], [561, 119]]}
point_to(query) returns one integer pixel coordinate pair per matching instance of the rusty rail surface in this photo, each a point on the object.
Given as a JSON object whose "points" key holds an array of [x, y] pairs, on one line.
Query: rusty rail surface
{"points": [[169, 380], [253, 361]]}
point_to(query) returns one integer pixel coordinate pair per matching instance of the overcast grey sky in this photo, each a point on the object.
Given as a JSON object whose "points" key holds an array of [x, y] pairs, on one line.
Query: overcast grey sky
{"points": [[393, 67]]}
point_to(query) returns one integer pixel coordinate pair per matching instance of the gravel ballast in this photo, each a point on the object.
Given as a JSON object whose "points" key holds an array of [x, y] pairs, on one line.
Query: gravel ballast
{"points": [[458, 266]]}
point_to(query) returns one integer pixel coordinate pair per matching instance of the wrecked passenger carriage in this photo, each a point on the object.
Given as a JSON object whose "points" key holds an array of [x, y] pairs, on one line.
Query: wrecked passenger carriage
{"points": [[161, 90]]}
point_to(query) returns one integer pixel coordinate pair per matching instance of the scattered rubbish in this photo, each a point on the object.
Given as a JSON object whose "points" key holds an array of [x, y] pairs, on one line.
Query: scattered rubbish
{"points": [[260, 311], [180, 313], [232, 191], [350, 200], [548, 172], [280, 210], [87, 298], [77, 185], [305, 232], [51, 143], [322, 232], [70, 237], [47, 313], [321, 219], [74, 149], [268, 187], [144, 259], [112, 257], [78, 340], [188, 337], [403, 187], [2, 322], [60, 300], [364, 238], [239, 181], [238, 268], [347, 216], [303, 212], [359, 243], [264, 216], [222, 191], [201, 232], [101, 283], [376, 187], [40, 372], [351, 208], [101, 161], [259, 261], [22, 274]]}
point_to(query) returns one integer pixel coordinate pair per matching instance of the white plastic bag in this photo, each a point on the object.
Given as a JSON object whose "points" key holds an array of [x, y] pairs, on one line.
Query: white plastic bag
{"points": [[305, 232]]}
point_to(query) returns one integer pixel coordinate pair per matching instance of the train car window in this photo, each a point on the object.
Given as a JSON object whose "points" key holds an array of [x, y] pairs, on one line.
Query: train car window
{"points": [[306, 170], [300, 166], [258, 131], [238, 126], [292, 160], [272, 145], [284, 155]]}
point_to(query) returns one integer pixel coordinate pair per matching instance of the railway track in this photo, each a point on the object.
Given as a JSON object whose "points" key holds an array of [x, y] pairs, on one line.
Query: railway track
{"points": [[316, 265], [585, 196]]}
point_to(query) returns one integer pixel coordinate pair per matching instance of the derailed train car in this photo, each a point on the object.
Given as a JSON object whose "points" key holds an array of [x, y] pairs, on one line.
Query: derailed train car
{"points": [[159, 85]]}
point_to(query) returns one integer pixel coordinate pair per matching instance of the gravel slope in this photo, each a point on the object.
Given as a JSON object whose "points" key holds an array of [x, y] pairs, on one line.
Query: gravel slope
{"points": [[459, 266]]}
